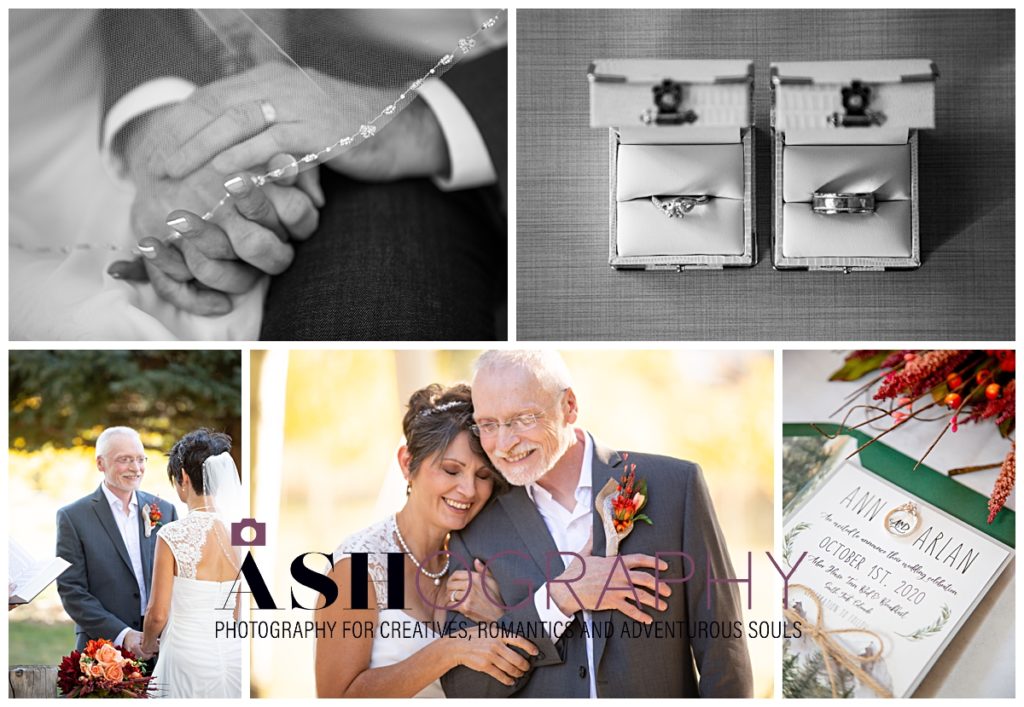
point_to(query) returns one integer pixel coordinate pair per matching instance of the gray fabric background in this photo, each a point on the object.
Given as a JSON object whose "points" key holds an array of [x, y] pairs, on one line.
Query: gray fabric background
{"points": [[965, 287]]}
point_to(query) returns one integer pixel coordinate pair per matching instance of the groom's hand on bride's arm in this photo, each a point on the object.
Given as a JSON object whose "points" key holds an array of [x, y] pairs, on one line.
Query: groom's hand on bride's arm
{"points": [[585, 585]]}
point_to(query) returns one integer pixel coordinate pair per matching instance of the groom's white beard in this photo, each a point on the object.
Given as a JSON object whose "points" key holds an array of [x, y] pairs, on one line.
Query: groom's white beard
{"points": [[537, 464]]}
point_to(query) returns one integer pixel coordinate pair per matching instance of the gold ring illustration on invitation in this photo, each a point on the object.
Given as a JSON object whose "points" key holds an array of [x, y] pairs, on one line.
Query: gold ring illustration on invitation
{"points": [[902, 520], [678, 206], [837, 203]]}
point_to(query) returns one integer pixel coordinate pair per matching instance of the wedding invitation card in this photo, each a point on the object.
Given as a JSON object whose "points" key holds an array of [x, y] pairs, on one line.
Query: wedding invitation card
{"points": [[881, 581]]}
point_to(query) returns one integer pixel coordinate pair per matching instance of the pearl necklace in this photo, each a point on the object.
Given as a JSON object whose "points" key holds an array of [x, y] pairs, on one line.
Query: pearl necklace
{"points": [[436, 576]]}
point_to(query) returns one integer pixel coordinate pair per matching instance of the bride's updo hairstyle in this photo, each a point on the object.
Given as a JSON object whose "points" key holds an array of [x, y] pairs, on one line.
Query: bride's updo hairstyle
{"points": [[189, 453], [435, 418]]}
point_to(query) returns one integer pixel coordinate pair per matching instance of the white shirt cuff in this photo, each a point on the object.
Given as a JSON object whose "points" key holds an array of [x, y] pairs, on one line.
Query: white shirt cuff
{"points": [[471, 164], [550, 616], [139, 101], [119, 641]]}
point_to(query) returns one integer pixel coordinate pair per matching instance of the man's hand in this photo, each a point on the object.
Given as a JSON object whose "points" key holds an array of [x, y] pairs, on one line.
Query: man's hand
{"points": [[133, 642], [309, 107], [581, 585]]}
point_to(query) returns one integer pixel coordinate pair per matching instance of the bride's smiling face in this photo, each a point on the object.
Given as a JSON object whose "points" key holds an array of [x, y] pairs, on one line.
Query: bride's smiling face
{"points": [[452, 486]]}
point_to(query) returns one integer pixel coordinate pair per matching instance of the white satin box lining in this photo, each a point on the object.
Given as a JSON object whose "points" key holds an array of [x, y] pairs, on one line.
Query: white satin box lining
{"points": [[654, 170], [881, 169], [887, 233], [714, 228]]}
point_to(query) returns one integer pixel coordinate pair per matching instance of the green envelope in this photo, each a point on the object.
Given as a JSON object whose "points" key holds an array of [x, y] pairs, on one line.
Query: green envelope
{"points": [[963, 503]]}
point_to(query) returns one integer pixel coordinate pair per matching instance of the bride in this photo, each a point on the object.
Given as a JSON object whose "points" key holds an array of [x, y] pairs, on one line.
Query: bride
{"points": [[449, 481], [193, 572]]}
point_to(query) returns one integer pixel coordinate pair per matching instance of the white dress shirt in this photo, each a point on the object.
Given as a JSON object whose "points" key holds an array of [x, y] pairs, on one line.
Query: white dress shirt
{"points": [[570, 530], [128, 525]]}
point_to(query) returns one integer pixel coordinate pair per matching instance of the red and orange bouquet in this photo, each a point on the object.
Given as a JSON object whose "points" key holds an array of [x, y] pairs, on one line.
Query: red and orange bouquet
{"points": [[102, 670]]}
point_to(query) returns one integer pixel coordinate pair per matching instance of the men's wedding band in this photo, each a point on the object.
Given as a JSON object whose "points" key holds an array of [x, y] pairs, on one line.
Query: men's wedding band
{"points": [[833, 203], [269, 112], [678, 206]]}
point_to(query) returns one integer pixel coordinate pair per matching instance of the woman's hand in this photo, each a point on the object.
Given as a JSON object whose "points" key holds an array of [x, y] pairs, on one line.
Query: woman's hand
{"points": [[493, 655], [476, 595], [311, 112]]}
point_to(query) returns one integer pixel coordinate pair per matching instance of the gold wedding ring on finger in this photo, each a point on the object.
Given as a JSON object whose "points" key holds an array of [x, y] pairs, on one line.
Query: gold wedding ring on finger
{"points": [[678, 206], [452, 597], [838, 203]]}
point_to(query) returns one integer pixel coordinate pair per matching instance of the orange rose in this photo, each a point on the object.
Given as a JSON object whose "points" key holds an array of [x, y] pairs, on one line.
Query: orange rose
{"points": [[115, 673], [96, 670], [107, 653]]}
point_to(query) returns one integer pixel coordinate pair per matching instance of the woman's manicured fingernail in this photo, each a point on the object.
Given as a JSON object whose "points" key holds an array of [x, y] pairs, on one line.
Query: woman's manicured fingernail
{"points": [[147, 248], [237, 186], [180, 224]]}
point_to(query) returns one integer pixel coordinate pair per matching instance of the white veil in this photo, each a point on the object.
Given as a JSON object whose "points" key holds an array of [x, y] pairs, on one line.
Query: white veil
{"points": [[223, 489]]}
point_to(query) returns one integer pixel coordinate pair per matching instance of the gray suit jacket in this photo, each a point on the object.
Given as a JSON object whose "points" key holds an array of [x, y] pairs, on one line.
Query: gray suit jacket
{"points": [[99, 591], [644, 666]]}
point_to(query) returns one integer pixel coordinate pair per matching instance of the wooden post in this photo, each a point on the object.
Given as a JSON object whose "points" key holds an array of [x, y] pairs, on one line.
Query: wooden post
{"points": [[32, 681]]}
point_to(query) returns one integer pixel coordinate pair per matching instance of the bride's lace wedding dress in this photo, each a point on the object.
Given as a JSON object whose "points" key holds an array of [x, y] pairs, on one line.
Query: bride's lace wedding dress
{"points": [[405, 634], [193, 661]]}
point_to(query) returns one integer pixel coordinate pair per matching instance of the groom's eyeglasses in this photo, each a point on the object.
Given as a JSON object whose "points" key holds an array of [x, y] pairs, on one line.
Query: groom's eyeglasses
{"points": [[520, 423], [126, 460]]}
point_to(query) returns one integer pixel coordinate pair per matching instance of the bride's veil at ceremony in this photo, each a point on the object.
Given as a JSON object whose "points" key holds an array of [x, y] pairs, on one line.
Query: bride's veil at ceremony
{"points": [[226, 499]]}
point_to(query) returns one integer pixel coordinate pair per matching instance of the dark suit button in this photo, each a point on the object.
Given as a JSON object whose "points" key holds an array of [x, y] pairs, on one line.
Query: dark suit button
{"points": [[136, 595], [583, 671], [540, 655]]}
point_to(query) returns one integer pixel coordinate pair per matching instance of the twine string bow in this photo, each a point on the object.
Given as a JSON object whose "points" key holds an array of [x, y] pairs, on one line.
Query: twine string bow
{"points": [[832, 650]]}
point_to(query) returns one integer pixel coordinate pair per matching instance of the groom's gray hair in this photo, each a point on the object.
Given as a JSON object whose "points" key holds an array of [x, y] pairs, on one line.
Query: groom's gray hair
{"points": [[103, 441], [547, 366]]}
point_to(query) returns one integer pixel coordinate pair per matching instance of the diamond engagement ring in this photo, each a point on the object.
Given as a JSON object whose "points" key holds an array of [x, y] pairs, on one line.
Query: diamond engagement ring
{"points": [[833, 203], [678, 206]]}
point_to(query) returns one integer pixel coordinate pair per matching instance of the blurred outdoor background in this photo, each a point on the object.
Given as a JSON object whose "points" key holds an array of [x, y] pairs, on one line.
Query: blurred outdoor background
{"points": [[59, 403], [325, 427]]}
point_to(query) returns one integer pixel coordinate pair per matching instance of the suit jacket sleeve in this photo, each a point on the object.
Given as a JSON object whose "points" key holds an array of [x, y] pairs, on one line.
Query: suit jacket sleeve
{"points": [[142, 45], [482, 86], [723, 664], [466, 682], [73, 585]]}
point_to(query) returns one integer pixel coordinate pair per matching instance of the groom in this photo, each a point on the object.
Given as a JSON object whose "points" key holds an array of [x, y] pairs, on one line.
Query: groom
{"points": [[525, 407], [109, 541]]}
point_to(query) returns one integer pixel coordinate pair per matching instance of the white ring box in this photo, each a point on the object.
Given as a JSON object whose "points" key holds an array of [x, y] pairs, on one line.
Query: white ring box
{"points": [[703, 146], [865, 141]]}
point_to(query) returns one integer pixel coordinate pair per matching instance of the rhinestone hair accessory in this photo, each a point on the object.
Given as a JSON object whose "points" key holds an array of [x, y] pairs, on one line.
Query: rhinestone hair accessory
{"points": [[442, 407]]}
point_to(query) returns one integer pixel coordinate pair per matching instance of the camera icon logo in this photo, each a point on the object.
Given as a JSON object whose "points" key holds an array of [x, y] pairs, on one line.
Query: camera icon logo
{"points": [[259, 533]]}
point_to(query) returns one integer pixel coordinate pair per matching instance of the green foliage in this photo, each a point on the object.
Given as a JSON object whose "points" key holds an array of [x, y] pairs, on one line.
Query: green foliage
{"points": [[808, 677], [65, 398], [856, 368], [37, 643]]}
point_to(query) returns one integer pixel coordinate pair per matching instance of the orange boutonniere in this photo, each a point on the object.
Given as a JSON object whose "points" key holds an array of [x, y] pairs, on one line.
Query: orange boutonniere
{"points": [[153, 517], [619, 504]]}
